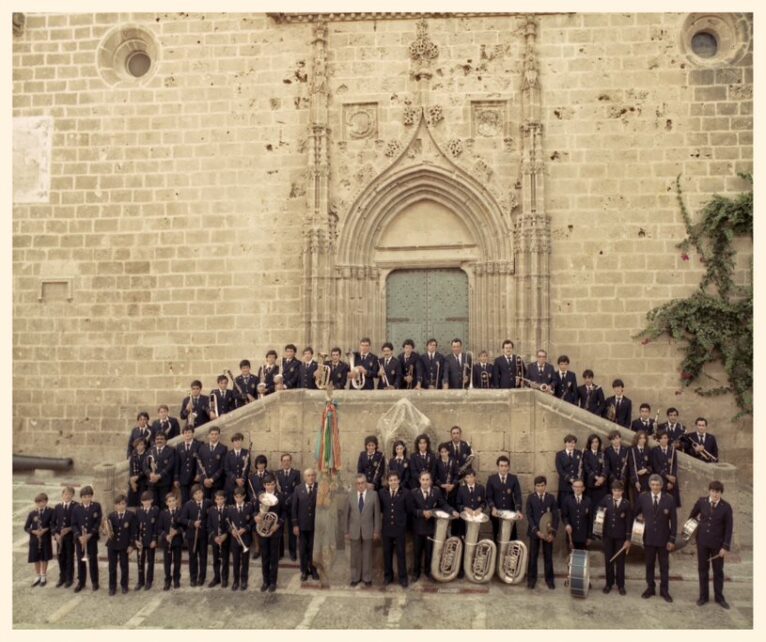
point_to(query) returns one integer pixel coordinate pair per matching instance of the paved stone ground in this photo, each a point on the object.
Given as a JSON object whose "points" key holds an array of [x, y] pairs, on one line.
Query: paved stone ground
{"points": [[425, 605]]}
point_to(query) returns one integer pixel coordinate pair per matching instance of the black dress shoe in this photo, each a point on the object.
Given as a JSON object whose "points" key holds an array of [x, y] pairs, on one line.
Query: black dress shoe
{"points": [[314, 575], [44, 581], [272, 588], [256, 555], [550, 585], [304, 577], [404, 583], [264, 588], [193, 582], [622, 590], [224, 583], [78, 588], [415, 577], [243, 587], [176, 583], [235, 586], [702, 601], [112, 591], [138, 587], [213, 583], [94, 587], [354, 583], [666, 596], [368, 583], [648, 593], [68, 584], [166, 587], [147, 586], [293, 557], [531, 586], [386, 582], [723, 604], [124, 589], [607, 589], [60, 583]]}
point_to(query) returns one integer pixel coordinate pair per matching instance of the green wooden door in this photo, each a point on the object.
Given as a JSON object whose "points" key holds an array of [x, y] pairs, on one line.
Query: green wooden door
{"points": [[421, 304]]}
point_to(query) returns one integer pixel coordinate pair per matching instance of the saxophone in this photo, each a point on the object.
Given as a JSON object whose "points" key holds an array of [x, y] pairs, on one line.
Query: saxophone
{"points": [[512, 556], [445, 561], [479, 556]]}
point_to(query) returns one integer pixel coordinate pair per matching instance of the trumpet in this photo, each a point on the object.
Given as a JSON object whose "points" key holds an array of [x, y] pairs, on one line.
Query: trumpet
{"points": [[323, 374], [382, 374], [357, 378], [435, 382], [542, 387], [86, 536], [237, 536]]}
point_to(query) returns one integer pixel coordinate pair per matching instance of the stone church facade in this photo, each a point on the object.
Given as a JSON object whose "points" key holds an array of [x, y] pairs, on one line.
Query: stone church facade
{"points": [[192, 189]]}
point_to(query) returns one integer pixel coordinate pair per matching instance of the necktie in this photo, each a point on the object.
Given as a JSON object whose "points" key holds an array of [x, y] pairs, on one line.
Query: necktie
{"points": [[361, 502], [615, 504], [187, 447], [240, 509], [470, 489], [311, 489], [425, 495], [508, 359], [656, 502], [578, 500], [502, 480], [541, 498], [714, 505], [570, 455]]}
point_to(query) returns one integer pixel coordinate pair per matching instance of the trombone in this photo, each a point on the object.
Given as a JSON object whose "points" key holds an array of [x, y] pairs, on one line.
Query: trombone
{"points": [[467, 370], [383, 376], [214, 403], [706, 455], [542, 387], [190, 414]]}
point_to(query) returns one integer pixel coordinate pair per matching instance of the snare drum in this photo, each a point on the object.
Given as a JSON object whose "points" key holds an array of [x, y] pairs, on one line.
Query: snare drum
{"points": [[637, 534], [598, 522], [687, 534], [579, 573]]}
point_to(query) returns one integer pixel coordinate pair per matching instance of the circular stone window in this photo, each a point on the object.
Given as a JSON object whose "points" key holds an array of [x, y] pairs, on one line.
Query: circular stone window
{"points": [[715, 39], [128, 55]]}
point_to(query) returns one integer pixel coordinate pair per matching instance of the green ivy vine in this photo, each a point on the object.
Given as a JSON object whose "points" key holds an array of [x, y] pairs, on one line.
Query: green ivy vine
{"points": [[715, 323]]}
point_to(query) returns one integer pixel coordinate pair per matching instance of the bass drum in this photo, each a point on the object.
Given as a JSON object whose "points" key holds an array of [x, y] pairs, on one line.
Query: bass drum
{"points": [[579, 573]]}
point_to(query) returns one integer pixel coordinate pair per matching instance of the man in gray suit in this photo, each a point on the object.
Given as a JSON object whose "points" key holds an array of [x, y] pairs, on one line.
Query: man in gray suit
{"points": [[362, 524]]}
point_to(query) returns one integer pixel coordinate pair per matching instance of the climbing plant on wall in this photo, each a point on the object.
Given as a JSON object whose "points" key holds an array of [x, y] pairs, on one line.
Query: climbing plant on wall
{"points": [[715, 323]]}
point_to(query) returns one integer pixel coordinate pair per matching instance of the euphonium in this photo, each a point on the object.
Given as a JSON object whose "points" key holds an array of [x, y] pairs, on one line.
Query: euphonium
{"points": [[268, 522], [323, 373], [479, 556], [446, 558], [512, 556], [357, 379]]}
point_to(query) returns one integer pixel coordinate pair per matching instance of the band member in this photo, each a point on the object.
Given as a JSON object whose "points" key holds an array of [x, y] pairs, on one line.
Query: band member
{"points": [[503, 493], [565, 381], [539, 503], [399, 463], [576, 513], [195, 409], [394, 508], [245, 385], [193, 519], [673, 427], [541, 372], [594, 470], [446, 477], [618, 522], [258, 476], [62, 532], [239, 518], [659, 513], [421, 460], [187, 470], [644, 421], [147, 536], [270, 542], [288, 479], [171, 538], [460, 450], [140, 431], [616, 459], [639, 463], [222, 400], [366, 363], [236, 466], [716, 524], [618, 408], [218, 535], [211, 457], [288, 378], [431, 366], [268, 371], [482, 372], [389, 370], [338, 370], [590, 396], [86, 521], [371, 463], [166, 424], [664, 462], [304, 514], [160, 468], [470, 497], [119, 546], [361, 525], [569, 466], [457, 367], [137, 480], [508, 369], [307, 370], [409, 361], [424, 500], [38, 525], [701, 444]]}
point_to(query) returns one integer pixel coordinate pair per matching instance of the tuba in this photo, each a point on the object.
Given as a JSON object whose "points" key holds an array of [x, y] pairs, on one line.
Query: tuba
{"points": [[323, 373], [479, 556], [512, 556], [357, 379], [445, 561], [269, 521]]}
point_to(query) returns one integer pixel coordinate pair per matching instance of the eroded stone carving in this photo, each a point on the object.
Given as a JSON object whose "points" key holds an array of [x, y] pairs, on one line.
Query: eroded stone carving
{"points": [[488, 117], [455, 147], [360, 120], [392, 148]]}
